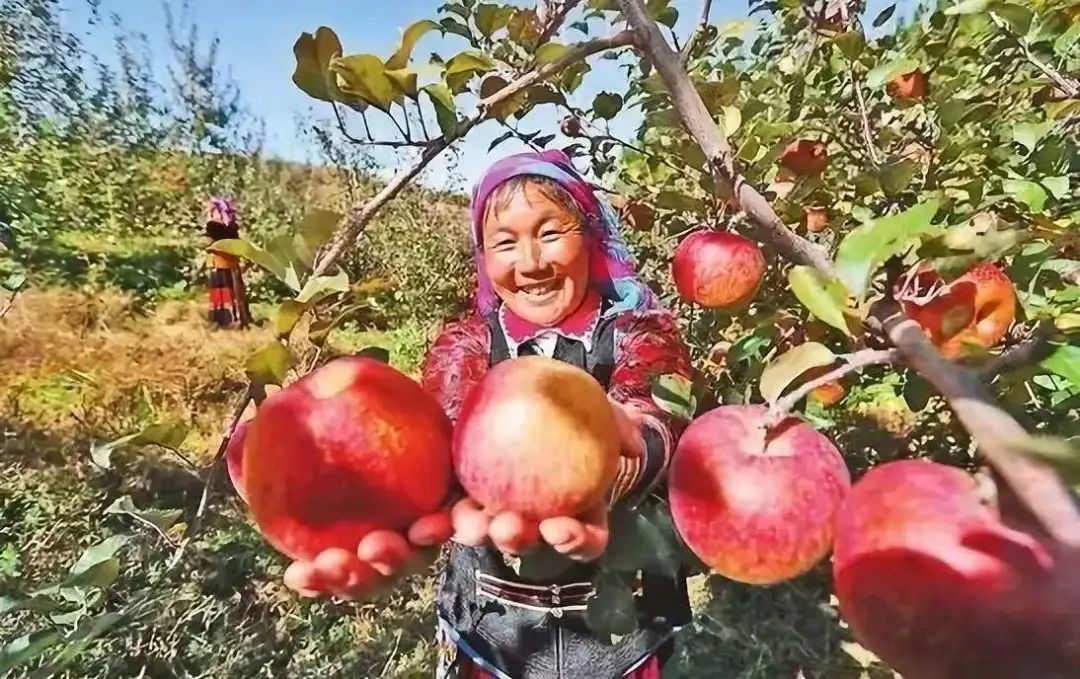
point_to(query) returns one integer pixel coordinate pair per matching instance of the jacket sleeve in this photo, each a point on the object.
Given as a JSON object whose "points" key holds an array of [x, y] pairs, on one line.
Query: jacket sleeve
{"points": [[455, 362], [648, 346]]}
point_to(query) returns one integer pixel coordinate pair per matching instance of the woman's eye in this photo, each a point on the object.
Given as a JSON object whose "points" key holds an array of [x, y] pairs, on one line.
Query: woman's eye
{"points": [[550, 235]]}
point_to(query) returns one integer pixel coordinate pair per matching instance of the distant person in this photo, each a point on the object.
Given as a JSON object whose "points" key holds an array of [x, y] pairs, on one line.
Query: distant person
{"points": [[228, 298]]}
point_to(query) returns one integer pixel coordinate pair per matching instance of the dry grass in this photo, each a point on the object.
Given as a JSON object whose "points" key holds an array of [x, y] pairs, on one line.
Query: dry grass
{"points": [[84, 365]]}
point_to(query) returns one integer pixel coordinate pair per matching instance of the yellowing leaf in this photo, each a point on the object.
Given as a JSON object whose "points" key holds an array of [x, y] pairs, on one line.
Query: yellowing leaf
{"points": [[409, 37], [822, 296], [462, 67], [730, 120], [269, 365], [313, 55], [502, 110], [364, 76], [787, 367]]}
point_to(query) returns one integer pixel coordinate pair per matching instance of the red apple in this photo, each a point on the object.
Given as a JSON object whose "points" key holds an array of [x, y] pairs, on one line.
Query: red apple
{"points": [[804, 157], [815, 219], [756, 507], [352, 447], [717, 269], [911, 85], [536, 436], [932, 582], [976, 309]]}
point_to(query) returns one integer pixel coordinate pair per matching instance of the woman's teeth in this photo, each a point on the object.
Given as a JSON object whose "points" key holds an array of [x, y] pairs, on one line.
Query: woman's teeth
{"points": [[539, 289]]}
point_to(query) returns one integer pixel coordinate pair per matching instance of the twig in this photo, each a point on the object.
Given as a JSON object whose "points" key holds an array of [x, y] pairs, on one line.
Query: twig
{"points": [[1068, 85], [8, 303], [423, 125], [1032, 350], [553, 20], [854, 362], [868, 135], [701, 126], [703, 22]]}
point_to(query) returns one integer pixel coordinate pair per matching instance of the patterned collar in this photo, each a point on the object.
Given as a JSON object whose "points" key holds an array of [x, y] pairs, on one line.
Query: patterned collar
{"points": [[578, 326]]}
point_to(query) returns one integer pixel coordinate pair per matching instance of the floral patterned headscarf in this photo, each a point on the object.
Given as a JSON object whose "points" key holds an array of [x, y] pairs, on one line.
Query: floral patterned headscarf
{"points": [[611, 271]]}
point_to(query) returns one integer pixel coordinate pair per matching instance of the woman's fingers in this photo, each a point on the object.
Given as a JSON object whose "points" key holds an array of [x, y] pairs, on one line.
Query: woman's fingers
{"points": [[628, 422], [581, 539], [431, 530], [385, 551], [301, 577], [340, 572], [470, 523], [511, 533]]}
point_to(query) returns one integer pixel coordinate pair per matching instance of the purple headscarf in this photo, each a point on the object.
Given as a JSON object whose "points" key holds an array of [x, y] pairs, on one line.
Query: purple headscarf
{"points": [[221, 210], [611, 271]]}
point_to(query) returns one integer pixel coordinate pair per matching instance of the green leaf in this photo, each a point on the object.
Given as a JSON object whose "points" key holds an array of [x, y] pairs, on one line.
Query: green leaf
{"points": [[883, 73], [550, 52], [169, 435], [462, 67], [1018, 17], [23, 649], [917, 392], [409, 37], [612, 612], [867, 246], [673, 394], [895, 177], [287, 316], [851, 43], [269, 365], [323, 286], [101, 574], [968, 7], [491, 18], [162, 518], [607, 105], [77, 641], [1031, 194], [445, 111], [1029, 134], [884, 16], [1065, 361], [252, 253], [787, 368], [313, 54], [98, 554], [452, 25], [730, 120], [364, 76], [637, 544], [822, 296]]}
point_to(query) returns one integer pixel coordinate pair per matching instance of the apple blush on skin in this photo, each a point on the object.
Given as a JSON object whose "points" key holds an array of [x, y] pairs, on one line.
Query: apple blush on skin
{"points": [[756, 504], [931, 581], [538, 437], [717, 269], [352, 447]]}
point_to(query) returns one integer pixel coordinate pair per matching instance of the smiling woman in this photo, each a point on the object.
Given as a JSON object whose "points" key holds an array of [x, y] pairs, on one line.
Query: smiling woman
{"points": [[554, 279]]}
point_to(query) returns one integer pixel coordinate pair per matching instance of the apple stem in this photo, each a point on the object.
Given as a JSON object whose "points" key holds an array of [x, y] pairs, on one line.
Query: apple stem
{"points": [[853, 362]]}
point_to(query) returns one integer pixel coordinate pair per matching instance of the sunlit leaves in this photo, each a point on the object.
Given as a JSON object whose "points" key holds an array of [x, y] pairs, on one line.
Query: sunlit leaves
{"points": [[409, 37], [1029, 193], [491, 18], [550, 52], [895, 177], [364, 76], [269, 365], [442, 100], [787, 368], [822, 296], [313, 55], [501, 110], [169, 435], [462, 67], [968, 7], [868, 246]]}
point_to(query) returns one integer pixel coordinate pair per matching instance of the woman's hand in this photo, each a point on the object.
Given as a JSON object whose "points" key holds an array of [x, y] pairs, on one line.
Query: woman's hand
{"points": [[629, 421], [381, 557]]}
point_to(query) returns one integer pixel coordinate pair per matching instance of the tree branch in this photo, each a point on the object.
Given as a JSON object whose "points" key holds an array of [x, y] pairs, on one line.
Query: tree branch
{"points": [[1067, 84], [854, 362], [868, 135], [552, 16], [703, 128], [1041, 499], [699, 28]]}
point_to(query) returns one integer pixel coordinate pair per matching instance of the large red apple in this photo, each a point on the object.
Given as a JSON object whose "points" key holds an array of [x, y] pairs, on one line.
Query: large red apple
{"points": [[536, 436], [717, 269], [976, 309], [804, 157], [352, 447], [757, 506], [932, 582]]}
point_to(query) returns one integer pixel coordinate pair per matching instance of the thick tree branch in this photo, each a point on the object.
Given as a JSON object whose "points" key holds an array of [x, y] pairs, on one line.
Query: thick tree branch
{"points": [[703, 128], [854, 362], [1036, 495], [1068, 85], [1028, 352], [699, 29]]}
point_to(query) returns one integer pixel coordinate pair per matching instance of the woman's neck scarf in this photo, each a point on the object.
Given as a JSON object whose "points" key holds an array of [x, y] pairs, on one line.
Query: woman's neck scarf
{"points": [[611, 271]]}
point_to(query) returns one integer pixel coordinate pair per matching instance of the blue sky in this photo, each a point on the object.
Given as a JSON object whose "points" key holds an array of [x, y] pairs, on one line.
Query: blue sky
{"points": [[257, 38]]}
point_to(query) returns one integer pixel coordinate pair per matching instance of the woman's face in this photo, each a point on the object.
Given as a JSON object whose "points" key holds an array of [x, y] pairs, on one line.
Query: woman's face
{"points": [[536, 256]]}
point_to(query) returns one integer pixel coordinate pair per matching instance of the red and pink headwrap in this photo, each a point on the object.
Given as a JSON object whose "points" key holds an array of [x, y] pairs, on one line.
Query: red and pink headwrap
{"points": [[611, 271]]}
